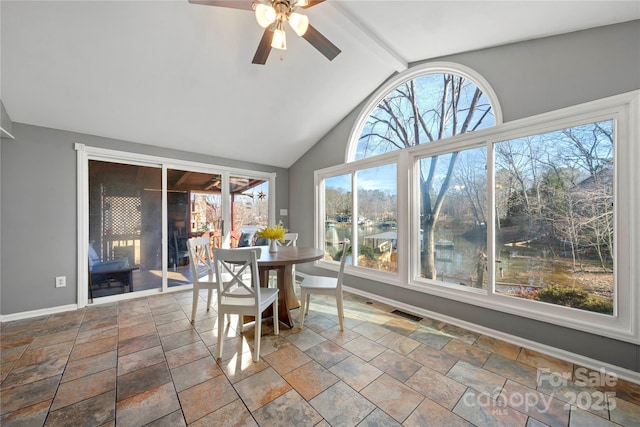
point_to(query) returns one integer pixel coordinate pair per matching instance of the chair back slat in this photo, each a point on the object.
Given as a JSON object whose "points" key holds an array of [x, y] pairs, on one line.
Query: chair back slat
{"points": [[237, 269], [200, 258], [290, 239], [346, 245]]}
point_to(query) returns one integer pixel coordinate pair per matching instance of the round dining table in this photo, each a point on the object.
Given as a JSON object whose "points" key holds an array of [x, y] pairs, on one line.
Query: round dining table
{"points": [[282, 262]]}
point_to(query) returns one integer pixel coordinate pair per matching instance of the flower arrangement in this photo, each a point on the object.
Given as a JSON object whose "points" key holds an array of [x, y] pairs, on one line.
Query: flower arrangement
{"points": [[273, 233]]}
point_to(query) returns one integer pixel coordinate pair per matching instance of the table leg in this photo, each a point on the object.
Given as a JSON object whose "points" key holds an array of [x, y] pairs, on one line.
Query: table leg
{"points": [[287, 299], [286, 296], [264, 277], [287, 286], [130, 280]]}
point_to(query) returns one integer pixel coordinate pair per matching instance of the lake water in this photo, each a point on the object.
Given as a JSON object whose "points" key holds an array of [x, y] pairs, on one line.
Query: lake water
{"points": [[454, 263]]}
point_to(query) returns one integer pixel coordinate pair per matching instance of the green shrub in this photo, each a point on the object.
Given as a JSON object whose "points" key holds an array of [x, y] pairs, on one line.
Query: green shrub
{"points": [[367, 252], [573, 297], [337, 256]]}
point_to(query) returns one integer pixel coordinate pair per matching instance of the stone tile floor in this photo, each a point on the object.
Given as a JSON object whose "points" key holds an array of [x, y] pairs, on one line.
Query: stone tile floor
{"points": [[141, 362]]}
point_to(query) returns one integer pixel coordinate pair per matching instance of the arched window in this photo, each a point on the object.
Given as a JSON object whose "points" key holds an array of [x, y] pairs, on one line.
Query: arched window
{"points": [[438, 195], [426, 104]]}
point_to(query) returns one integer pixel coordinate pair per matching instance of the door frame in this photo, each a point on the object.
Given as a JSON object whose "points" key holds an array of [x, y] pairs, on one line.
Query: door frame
{"points": [[84, 153]]}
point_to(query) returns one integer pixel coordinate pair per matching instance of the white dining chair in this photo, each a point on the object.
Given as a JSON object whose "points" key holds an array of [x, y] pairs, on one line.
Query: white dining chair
{"points": [[290, 239], [324, 285], [202, 274], [239, 292]]}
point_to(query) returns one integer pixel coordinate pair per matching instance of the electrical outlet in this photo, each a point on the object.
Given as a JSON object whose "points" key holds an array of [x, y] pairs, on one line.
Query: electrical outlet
{"points": [[283, 212], [61, 281]]}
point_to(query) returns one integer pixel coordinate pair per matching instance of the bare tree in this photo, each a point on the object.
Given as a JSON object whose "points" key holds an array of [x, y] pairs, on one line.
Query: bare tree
{"points": [[565, 187], [599, 226], [516, 158], [337, 202], [473, 186], [419, 111], [567, 224], [590, 148]]}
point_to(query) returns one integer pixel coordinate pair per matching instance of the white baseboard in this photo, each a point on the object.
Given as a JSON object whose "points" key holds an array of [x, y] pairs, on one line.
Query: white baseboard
{"points": [[567, 356], [36, 313], [97, 301]]}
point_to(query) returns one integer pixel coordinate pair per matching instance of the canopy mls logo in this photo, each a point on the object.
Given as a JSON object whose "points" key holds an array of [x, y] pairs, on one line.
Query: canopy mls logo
{"points": [[527, 402], [587, 391]]}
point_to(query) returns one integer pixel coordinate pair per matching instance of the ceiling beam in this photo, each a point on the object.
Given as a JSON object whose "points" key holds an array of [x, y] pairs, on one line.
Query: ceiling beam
{"points": [[215, 183], [5, 123], [182, 179], [4, 134], [370, 39]]}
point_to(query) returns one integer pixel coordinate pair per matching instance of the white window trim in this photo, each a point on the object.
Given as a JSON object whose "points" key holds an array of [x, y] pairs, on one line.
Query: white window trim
{"points": [[397, 277], [412, 73], [86, 153], [625, 323]]}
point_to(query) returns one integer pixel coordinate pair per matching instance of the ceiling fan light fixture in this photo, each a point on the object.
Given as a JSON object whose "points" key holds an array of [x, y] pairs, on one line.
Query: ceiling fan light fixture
{"points": [[271, 16], [265, 15], [279, 40], [299, 23]]}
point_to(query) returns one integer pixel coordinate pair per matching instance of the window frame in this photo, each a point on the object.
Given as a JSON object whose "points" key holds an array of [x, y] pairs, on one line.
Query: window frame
{"points": [[320, 214], [624, 110], [413, 73]]}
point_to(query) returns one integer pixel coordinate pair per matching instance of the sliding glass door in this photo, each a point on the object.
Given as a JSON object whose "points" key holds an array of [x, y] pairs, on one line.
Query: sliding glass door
{"points": [[138, 212], [194, 209], [125, 228], [249, 202]]}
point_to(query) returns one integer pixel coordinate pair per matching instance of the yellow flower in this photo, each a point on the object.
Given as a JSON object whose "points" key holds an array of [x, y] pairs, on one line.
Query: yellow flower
{"points": [[271, 233]]}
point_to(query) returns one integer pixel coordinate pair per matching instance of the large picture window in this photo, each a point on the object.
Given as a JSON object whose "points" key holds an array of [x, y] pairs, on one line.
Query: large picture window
{"points": [[534, 217], [367, 217], [338, 210], [453, 217], [377, 220], [554, 195]]}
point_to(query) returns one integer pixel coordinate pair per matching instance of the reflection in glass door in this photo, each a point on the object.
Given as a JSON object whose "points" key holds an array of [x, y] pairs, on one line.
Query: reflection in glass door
{"points": [[125, 223], [249, 201], [194, 209]]}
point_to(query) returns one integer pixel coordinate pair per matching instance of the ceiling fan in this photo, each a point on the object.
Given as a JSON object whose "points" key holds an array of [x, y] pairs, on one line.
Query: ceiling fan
{"points": [[271, 15]]}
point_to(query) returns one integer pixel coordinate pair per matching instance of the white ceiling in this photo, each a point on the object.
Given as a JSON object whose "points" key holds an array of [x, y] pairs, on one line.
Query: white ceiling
{"points": [[179, 75]]}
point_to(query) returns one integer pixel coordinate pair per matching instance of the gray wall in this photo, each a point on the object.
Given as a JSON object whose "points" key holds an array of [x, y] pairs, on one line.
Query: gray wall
{"points": [[529, 78], [38, 241]]}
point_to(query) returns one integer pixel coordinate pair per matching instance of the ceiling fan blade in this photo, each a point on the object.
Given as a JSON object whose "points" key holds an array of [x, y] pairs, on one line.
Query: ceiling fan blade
{"points": [[312, 3], [264, 48], [321, 43], [234, 4]]}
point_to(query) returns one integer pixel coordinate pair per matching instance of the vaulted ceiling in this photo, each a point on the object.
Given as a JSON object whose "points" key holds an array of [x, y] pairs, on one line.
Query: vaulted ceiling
{"points": [[173, 74]]}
